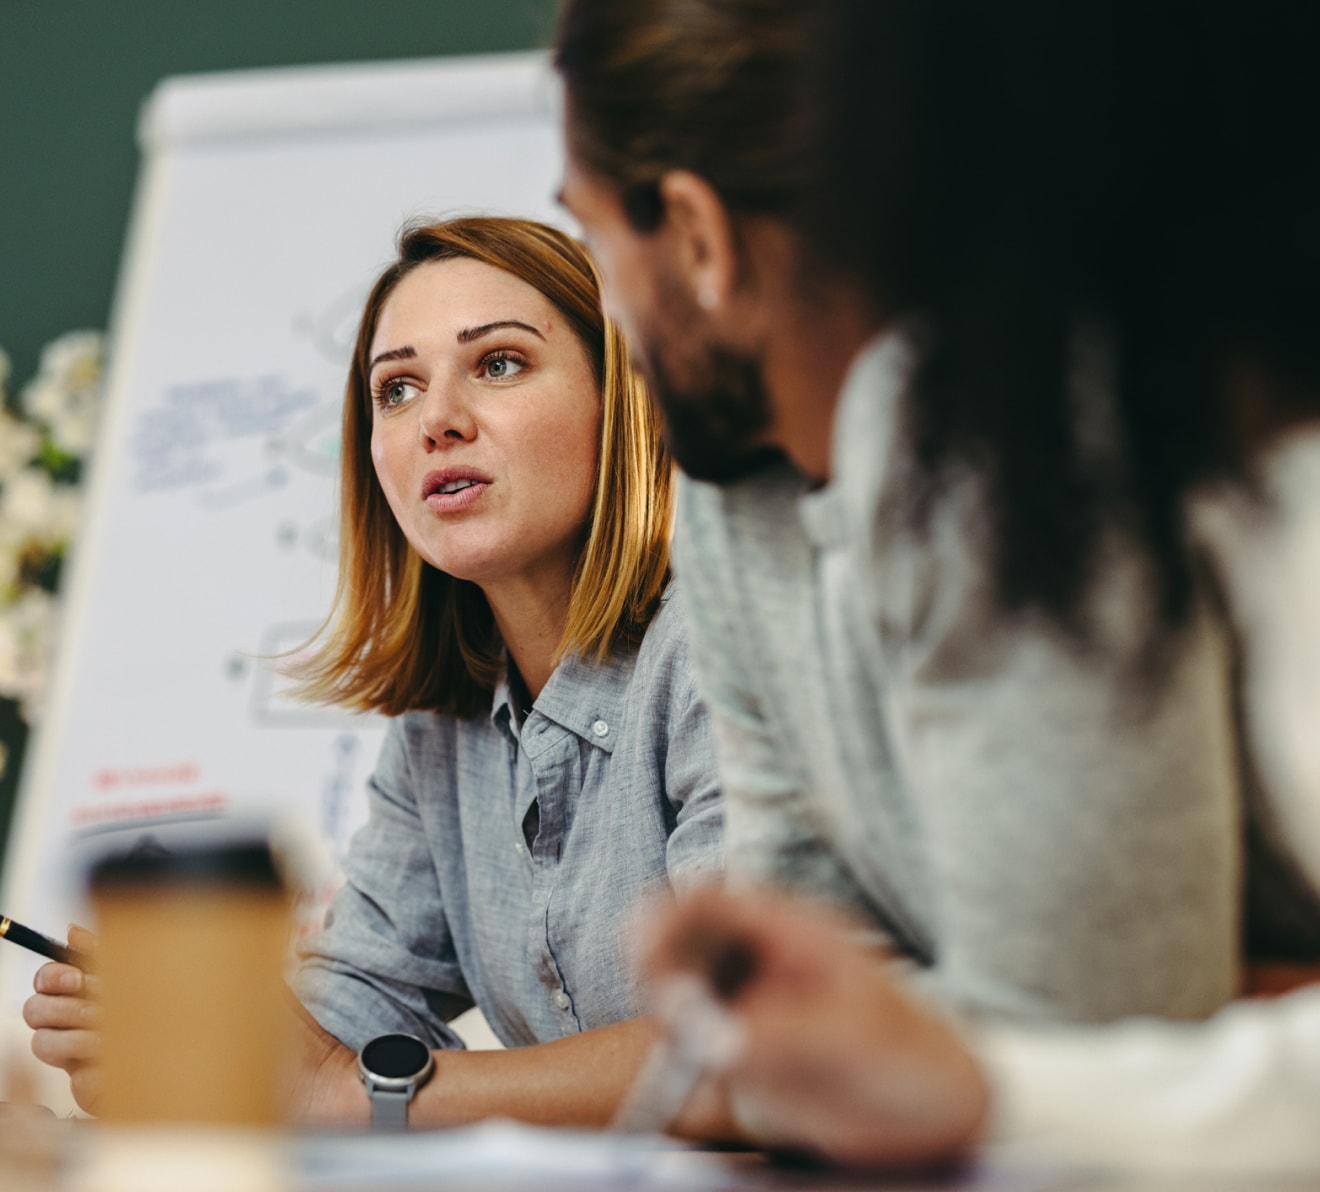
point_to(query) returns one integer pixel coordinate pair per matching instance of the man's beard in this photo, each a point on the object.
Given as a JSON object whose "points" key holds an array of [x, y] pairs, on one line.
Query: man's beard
{"points": [[714, 401]]}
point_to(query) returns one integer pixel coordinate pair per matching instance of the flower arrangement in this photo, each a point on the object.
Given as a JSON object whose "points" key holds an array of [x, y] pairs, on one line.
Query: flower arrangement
{"points": [[46, 433]]}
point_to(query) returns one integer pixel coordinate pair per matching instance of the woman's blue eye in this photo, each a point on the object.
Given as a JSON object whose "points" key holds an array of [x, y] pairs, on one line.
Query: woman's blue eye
{"points": [[501, 366], [394, 393]]}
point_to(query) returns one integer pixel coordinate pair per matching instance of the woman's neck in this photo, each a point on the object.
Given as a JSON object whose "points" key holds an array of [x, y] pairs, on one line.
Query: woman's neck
{"points": [[531, 619]]}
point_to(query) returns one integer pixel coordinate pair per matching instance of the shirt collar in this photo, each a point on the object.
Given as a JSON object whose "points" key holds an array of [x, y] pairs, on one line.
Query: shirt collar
{"points": [[586, 698], [862, 439], [501, 706]]}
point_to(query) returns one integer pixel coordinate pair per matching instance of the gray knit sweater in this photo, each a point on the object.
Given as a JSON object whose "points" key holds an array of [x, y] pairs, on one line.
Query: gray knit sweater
{"points": [[1044, 836]]}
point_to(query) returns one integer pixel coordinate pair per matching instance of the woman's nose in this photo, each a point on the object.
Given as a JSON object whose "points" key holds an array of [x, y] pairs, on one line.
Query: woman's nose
{"points": [[444, 416]]}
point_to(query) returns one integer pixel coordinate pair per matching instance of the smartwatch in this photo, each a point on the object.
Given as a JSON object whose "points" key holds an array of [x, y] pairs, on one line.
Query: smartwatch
{"points": [[393, 1067]]}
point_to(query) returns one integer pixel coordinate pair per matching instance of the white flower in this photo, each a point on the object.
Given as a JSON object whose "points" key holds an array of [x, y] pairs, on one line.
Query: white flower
{"points": [[65, 515], [70, 414], [74, 360], [17, 546], [44, 398], [19, 443], [11, 557], [75, 433], [73, 425], [28, 502], [57, 411], [26, 634], [65, 395]]}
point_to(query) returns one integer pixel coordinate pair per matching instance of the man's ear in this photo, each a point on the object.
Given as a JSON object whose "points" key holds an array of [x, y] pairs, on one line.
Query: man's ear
{"points": [[705, 249]]}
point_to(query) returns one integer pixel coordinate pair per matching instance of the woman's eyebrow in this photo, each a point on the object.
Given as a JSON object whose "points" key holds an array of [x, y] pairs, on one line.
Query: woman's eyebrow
{"points": [[407, 353], [468, 334]]}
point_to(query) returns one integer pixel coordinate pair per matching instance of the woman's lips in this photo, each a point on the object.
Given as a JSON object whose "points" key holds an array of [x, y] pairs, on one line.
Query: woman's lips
{"points": [[451, 490], [453, 502]]}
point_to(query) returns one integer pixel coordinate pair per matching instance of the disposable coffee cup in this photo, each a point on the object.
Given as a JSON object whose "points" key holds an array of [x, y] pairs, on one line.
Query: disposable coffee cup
{"points": [[192, 947]]}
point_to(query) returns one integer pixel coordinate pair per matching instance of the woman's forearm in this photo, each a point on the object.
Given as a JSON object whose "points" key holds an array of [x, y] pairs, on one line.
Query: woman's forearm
{"points": [[575, 1081]]}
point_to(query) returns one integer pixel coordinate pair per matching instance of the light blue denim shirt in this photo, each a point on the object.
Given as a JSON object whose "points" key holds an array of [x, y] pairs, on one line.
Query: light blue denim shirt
{"points": [[500, 863]]}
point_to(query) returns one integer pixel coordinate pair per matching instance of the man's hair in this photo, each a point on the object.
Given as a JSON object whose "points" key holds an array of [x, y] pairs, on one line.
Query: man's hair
{"points": [[1014, 178], [710, 86], [403, 635]]}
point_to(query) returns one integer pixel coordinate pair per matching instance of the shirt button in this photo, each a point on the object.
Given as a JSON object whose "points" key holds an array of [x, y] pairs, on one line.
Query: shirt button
{"points": [[561, 1000], [518, 848], [600, 728]]}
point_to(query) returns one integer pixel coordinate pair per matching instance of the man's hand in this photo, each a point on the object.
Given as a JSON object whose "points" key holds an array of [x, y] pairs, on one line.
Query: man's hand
{"points": [[835, 1058], [1274, 978]]}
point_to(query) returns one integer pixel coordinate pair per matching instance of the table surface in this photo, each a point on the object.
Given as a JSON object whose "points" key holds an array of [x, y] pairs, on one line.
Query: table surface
{"points": [[503, 1157]]}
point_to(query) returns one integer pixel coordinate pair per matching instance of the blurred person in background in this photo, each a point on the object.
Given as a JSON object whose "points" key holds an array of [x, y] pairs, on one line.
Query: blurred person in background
{"points": [[505, 598], [1089, 231], [964, 686]]}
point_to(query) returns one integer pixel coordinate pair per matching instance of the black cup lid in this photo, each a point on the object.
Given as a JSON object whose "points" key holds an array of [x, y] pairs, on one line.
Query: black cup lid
{"points": [[247, 863]]}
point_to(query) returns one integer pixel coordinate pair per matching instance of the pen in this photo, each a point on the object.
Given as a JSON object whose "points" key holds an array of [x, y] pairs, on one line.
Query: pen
{"points": [[42, 945], [702, 1036]]}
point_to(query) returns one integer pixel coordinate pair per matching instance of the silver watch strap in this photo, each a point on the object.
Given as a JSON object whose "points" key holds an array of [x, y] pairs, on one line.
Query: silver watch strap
{"points": [[389, 1108]]}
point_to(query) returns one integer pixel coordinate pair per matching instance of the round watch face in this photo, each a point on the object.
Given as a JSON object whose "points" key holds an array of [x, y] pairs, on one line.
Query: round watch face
{"points": [[396, 1057]]}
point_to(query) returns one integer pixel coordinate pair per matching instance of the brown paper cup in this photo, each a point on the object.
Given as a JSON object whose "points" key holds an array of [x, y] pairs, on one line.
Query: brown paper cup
{"points": [[191, 961]]}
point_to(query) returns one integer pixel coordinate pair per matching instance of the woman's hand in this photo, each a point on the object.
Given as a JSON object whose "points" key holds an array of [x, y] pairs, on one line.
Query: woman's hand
{"points": [[65, 1015], [835, 1057]]}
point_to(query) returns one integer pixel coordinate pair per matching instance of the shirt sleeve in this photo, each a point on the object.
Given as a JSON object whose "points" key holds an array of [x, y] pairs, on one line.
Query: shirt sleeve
{"points": [[772, 833], [1239, 1093], [694, 852], [385, 959]]}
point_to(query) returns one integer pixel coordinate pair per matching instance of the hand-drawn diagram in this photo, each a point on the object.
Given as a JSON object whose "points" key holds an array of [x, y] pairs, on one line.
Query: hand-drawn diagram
{"points": [[180, 442]]}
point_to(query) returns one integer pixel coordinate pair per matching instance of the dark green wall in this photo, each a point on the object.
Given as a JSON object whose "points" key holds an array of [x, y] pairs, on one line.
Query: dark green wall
{"points": [[72, 76], [73, 73]]}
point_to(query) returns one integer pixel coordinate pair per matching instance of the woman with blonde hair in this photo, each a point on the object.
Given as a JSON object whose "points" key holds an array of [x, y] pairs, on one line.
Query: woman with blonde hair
{"points": [[504, 597]]}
